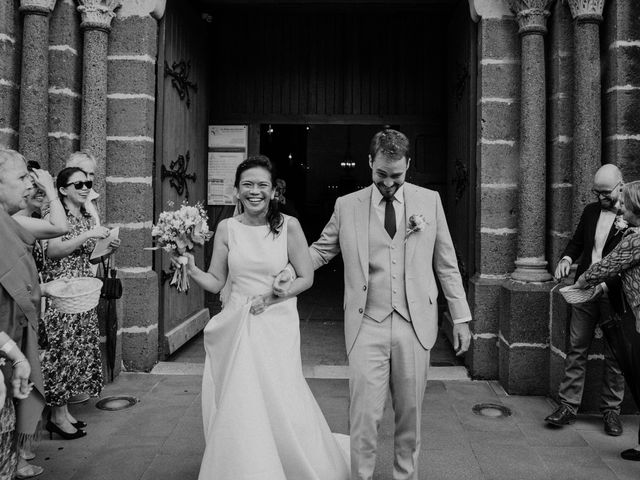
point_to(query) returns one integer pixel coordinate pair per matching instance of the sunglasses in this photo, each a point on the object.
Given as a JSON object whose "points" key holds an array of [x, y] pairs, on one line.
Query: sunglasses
{"points": [[81, 185]]}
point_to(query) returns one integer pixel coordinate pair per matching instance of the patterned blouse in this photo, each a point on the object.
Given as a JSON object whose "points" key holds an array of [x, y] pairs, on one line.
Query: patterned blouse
{"points": [[624, 260]]}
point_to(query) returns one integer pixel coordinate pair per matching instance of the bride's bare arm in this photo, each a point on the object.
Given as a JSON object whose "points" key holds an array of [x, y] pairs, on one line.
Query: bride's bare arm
{"points": [[214, 279], [300, 260]]}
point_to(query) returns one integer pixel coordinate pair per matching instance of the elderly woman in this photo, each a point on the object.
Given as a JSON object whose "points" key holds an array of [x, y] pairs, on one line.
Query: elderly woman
{"points": [[19, 306], [624, 260], [29, 411], [72, 363]]}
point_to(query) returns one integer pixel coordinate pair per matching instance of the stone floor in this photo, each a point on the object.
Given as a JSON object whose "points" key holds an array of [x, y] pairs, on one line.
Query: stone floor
{"points": [[160, 438]]}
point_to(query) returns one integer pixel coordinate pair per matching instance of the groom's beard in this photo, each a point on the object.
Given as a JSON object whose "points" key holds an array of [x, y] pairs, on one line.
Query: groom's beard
{"points": [[390, 191]]}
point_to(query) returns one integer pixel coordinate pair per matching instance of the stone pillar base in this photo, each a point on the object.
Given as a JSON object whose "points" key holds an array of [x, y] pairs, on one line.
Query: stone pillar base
{"points": [[531, 270], [524, 337], [140, 321], [484, 300]]}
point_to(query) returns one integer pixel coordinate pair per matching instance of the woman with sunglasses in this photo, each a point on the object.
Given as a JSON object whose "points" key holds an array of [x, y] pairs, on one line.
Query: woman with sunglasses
{"points": [[72, 363]]}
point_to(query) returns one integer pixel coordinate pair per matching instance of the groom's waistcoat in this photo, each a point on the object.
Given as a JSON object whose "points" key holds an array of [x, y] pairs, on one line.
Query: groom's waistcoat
{"points": [[386, 291]]}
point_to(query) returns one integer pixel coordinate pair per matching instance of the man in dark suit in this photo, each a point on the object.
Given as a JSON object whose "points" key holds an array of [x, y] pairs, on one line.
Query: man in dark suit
{"points": [[598, 232]]}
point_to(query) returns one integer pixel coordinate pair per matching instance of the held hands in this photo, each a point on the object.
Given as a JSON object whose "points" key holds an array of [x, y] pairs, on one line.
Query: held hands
{"points": [[282, 283], [461, 338], [562, 269]]}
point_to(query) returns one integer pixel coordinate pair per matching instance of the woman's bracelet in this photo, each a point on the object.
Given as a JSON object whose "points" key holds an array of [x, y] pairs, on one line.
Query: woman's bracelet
{"points": [[20, 360]]}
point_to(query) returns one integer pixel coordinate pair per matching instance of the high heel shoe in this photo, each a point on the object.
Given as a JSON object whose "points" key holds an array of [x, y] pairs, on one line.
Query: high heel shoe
{"points": [[53, 428]]}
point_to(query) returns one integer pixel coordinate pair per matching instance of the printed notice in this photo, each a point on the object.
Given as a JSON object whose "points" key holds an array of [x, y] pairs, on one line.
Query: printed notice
{"points": [[228, 138], [221, 175]]}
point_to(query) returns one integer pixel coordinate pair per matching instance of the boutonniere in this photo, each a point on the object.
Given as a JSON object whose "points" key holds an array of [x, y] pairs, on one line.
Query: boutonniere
{"points": [[620, 223], [417, 223]]}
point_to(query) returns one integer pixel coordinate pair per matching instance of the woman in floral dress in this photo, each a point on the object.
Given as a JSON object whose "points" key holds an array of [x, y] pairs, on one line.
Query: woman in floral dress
{"points": [[72, 363]]}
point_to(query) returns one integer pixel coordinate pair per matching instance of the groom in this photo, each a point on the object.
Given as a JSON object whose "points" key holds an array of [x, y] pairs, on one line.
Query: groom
{"points": [[391, 299]]}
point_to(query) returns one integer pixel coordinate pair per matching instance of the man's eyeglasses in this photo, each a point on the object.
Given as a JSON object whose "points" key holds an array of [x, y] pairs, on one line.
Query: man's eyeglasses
{"points": [[81, 185], [605, 193]]}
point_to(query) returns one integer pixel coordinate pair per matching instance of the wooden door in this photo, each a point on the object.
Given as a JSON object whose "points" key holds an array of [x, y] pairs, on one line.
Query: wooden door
{"points": [[181, 158]]}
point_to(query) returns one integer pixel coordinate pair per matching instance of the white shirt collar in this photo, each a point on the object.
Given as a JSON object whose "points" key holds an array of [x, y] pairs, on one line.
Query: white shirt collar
{"points": [[376, 196]]}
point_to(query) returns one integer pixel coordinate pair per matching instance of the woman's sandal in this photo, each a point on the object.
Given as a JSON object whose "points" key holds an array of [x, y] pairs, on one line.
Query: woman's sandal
{"points": [[29, 471]]}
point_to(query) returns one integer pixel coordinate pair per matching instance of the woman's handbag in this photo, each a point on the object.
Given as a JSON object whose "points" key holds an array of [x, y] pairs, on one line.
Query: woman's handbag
{"points": [[111, 285]]}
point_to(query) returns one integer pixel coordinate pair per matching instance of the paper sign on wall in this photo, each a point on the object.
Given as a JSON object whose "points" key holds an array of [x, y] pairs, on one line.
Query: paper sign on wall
{"points": [[221, 173]]}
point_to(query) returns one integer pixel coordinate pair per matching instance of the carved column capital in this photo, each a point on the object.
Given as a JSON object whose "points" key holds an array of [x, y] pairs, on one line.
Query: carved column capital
{"points": [[38, 7], [586, 10], [97, 14], [531, 15]]}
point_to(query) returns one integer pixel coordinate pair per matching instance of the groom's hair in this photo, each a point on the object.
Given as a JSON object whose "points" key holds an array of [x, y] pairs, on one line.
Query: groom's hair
{"points": [[392, 144]]}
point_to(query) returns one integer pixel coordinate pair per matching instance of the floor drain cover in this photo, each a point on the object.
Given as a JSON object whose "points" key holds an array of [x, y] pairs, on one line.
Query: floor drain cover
{"points": [[116, 403], [492, 410]]}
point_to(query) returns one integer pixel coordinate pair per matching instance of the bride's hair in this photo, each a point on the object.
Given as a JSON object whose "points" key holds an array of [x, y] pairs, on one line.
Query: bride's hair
{"points": [[274, 217]]}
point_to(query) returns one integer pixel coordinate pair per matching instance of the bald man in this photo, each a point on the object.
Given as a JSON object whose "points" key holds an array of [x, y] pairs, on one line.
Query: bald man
{"points": [[596, 236]]}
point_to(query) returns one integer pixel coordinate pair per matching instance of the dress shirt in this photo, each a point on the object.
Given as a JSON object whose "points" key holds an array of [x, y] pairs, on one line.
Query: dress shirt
{"points": [[378, 203], [605, 221]]}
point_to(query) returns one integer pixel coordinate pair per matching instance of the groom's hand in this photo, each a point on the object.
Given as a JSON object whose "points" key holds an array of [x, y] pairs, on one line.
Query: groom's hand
{"points": [[461, 338], [282, 283]]}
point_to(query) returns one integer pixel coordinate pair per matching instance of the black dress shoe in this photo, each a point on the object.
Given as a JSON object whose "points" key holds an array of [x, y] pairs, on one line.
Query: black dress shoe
{"points": [[562, 416], [631, 454], [612, 423]]}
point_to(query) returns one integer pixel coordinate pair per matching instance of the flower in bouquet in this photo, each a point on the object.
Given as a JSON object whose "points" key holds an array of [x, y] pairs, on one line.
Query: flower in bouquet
{"points": [[178, 232], [417, 223]]}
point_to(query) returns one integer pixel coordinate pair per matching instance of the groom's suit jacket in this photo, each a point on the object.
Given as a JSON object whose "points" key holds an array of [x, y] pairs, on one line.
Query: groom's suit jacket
{"points": [[427, 252]]}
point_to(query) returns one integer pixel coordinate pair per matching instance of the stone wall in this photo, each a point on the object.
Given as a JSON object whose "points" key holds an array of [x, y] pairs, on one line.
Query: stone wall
{"points": [[131, 89], [10, 57], [621, 86], [498, 112]]}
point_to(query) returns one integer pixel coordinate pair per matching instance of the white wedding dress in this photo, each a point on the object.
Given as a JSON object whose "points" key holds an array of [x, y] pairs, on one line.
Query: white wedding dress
{"points": [[261, 421]]}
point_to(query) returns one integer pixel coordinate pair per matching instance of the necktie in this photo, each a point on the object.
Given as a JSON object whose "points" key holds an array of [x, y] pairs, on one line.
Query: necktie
{"points": [[390, 217]]}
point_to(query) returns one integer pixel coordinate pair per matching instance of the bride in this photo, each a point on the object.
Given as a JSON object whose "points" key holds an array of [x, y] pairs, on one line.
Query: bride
{"points": [[261, 421]]}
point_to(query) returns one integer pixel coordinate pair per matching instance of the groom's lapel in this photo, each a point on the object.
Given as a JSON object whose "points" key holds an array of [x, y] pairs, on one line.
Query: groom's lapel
{"points": [[410, 204], [361, 223]]}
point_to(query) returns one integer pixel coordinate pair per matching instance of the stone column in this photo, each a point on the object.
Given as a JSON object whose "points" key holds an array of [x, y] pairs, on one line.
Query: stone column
{"points": [[96, 18], [133, 49], [531, 265], [524, 299], [34, 84], [587, 127]]}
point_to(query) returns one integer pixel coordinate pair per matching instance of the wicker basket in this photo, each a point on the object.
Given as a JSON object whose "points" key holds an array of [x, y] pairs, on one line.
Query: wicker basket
{"points": [[75, 295], [577, 295]]}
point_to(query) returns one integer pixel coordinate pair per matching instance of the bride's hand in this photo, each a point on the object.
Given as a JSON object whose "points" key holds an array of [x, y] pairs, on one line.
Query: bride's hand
{"points": [[185, 259], [259, 303]]}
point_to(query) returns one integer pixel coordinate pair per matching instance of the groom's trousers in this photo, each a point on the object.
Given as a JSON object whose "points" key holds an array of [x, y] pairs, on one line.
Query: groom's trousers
{"points": [[386, 356]]}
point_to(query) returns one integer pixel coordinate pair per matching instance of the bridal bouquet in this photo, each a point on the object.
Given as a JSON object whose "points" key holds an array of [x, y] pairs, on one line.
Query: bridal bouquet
{"points": [[178, 232]]}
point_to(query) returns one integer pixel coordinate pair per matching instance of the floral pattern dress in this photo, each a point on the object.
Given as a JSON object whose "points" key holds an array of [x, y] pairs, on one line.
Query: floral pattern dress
{"points": [[72, 363]]}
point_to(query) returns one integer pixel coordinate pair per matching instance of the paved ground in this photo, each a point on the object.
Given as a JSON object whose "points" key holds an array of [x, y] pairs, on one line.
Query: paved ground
{"points": [[161, 437]]}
